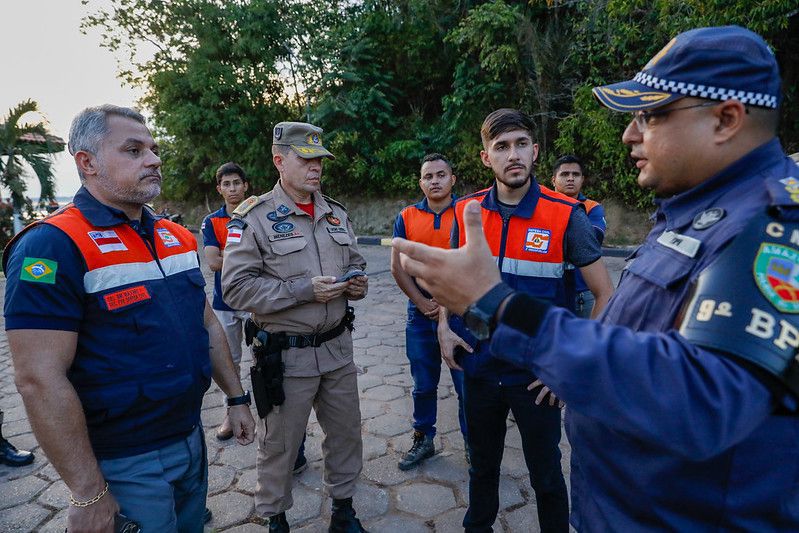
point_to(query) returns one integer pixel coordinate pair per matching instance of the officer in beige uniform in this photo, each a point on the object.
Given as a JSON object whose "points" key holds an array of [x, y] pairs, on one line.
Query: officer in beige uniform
{"points": [[285, 252]]}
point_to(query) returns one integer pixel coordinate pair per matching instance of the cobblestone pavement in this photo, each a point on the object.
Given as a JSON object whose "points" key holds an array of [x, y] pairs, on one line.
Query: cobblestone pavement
{"points": [[432, 497]]}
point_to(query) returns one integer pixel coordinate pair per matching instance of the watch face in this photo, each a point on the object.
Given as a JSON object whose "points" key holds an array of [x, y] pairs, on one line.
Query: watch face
{"points": [[477, 322]]}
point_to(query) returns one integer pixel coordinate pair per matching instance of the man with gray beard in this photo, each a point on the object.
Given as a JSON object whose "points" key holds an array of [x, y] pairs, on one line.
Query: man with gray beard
{"points": [[113, 341]]}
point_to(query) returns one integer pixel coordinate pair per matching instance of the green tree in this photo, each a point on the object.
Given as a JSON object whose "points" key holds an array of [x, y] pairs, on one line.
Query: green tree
{"points": [[214, 85], [24, 146]]}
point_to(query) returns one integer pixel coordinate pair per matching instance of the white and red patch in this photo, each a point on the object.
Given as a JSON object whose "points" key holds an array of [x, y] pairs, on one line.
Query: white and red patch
{"points": [[167, 238], [233, 235], [107, 241], [537, 240]]}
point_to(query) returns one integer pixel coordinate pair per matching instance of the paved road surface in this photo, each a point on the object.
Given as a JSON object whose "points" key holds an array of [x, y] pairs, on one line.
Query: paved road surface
{"points": [[430, 498]]}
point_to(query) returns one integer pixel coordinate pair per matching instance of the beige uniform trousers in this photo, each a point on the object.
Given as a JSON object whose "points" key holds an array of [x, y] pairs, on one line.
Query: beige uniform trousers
{"points": [[334, 397]]}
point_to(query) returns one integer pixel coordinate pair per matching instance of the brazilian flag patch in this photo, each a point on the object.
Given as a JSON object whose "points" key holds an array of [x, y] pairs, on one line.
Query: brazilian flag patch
{"points": [[38, 270]]}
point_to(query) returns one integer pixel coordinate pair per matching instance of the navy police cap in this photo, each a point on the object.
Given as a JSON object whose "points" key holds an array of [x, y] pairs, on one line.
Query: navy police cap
{"points": [[718, 63]]}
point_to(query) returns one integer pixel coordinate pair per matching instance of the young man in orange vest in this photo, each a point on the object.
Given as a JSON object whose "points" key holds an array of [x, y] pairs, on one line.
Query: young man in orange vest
{"points": [[429, 222], [232, 185], [533, 232], [568, 177]]}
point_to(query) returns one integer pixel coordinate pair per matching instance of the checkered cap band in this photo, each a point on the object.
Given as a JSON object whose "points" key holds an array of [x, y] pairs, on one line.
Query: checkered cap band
{"points": [[705, 91]]}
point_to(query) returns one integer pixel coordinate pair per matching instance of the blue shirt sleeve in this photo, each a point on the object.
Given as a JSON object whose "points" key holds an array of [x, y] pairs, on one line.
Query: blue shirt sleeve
{"points": [[208, 233], [597, 219], [656, 387], [41, 304], [399, 227], [454, 235]]}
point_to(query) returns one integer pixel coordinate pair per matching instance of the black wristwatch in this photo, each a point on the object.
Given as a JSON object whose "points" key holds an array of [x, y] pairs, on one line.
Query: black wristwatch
{"points": [[479, 317], [244, 399]]}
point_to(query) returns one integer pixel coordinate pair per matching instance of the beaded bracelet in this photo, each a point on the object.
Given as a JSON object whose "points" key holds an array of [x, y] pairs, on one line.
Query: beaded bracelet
{"points": [[87, 503]]}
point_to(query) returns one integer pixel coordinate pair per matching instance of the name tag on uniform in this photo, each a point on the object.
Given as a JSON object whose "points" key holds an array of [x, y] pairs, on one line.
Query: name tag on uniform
{"points": [[680, 243], [126, 297], [337, 229], [284, 236]]}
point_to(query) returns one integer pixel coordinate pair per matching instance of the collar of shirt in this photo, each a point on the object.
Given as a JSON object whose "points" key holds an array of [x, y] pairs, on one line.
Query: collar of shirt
{"points": [[681, 209], [280, 197], [102, 215], [221, 212], [581, 197], [526, 207], [423, 205]]}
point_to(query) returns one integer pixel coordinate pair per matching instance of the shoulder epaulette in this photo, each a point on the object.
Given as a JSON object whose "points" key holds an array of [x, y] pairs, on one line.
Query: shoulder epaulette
{"points": [[236, 223], [245, 206], [332, 201]]}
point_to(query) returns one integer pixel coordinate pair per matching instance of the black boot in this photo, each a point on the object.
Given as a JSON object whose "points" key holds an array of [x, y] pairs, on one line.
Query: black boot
{"points": [[422, 448], [343, 519], [11, 456], [279, 524]]}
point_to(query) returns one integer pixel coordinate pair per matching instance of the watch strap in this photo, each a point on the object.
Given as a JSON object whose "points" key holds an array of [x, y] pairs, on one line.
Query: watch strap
{"points": [[244, 399], [490, 301]]}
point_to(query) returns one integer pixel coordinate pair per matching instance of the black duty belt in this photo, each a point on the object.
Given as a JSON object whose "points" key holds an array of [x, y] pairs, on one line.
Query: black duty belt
{"points": [[283, 341]]}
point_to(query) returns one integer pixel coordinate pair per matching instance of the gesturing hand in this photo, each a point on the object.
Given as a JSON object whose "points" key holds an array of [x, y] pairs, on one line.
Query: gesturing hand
{"points": [[455, 278]]}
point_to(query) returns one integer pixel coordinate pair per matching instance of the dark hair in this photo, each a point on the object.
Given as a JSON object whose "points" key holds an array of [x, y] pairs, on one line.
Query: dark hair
{"points": [[504, 120], [566, 159], [435, 156], [230, 168]]}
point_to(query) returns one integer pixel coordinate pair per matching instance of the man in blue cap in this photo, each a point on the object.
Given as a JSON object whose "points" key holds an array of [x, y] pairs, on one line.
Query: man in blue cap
{"points": [[683, 397]]}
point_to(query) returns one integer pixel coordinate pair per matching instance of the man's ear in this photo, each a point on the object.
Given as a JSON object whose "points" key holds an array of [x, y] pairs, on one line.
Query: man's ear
{"points": [[535, 152], [485, 159], [246, 186], [219, 189], [86, 162], [277, 160], [731, 116]]}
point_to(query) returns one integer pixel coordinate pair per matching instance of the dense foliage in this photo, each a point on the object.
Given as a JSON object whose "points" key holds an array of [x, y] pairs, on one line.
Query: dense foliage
{"points": [[390, 80]]}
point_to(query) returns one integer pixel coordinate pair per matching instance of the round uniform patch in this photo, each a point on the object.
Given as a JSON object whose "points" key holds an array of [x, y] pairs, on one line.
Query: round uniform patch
{"points": [[777, 276], [283, 209], [282, 227], [275, 217], [333, 220], [707, 218]]}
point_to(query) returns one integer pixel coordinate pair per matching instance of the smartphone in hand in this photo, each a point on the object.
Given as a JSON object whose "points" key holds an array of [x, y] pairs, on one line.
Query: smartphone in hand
{"points": [[349, 275]]}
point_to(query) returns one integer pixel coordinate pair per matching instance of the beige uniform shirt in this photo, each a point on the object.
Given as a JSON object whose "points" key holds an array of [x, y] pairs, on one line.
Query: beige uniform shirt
{"points": [[268, 271]]}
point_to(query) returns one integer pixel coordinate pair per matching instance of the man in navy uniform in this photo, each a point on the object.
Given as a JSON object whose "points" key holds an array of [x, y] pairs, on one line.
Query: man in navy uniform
{"points": [[682, 399], [113, 341]]}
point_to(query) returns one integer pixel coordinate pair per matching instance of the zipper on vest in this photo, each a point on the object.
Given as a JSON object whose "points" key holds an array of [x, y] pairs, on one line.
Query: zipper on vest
{"points": [[141, 232], [503, 241]]}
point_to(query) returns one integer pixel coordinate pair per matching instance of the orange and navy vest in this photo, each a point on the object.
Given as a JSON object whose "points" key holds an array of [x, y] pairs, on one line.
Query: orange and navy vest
{"points": [[529, 249], [214, 232], [142, 361], [419, 223]]}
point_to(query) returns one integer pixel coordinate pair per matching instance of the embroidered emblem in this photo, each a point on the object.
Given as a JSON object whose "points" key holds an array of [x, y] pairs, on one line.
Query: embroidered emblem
{"points": [[233, 235], [275, 217], [776, 273], [278, 133], [284, 209], [125, 297], [38, 270], [337, 229], [282, 227], [167, 238], [313, 139], [107, 241], [333, 220], [537, 240], [792, 187], [707, 218]]}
